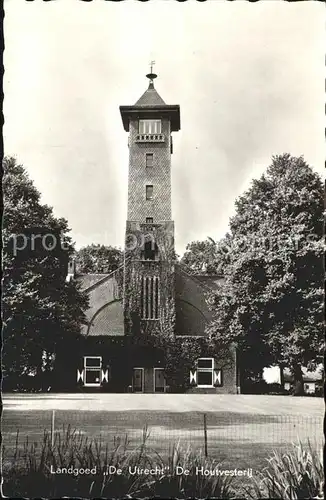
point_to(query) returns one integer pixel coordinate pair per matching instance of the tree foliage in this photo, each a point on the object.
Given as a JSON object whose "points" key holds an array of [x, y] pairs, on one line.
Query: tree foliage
{"points": [[98, 259], [40, 310], [271, 301], [203, 257]]}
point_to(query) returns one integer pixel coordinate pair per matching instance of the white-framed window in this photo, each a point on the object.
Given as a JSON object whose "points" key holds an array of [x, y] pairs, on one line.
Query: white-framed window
{"points": [[92, 371], [150, 127], [205, 372]]}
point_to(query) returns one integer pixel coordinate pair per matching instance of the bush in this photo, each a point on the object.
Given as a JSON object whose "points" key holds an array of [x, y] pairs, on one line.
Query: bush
{"points": [[276, 389], [254, 387], [262, 387]]}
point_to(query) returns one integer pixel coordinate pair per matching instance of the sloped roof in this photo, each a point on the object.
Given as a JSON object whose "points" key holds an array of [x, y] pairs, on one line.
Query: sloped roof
{"points": [[88, 280], [151, 105], [150, 98], [212, 280], [207, 281]]}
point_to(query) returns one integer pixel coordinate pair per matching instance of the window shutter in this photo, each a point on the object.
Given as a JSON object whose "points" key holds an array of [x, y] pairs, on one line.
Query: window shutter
{"points": [[104, 375], [217, 377], [80, 375], [193, 377]]}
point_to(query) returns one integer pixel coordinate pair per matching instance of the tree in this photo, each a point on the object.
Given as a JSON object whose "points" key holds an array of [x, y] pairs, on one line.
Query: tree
{"points": [[203, 257], [98, 259], [271, 302], [40, 310]]}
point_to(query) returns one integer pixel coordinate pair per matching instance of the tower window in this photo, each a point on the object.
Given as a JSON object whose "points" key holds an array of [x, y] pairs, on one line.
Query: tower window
{"points": [[150, 294], [150, 127], [149, 220], [149, 192], [150, 251], [149, 160]]}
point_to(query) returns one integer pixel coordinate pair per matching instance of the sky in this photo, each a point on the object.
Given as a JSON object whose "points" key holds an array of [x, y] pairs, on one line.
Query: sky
{"points": [[249, 79]]}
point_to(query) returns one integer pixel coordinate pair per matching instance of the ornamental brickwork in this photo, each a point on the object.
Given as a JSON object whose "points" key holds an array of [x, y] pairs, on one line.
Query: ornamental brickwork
{"points": [[159, 176]]}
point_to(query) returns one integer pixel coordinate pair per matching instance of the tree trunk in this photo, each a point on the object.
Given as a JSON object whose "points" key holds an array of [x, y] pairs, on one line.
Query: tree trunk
{"points": [[282, 376], [297, 381]]}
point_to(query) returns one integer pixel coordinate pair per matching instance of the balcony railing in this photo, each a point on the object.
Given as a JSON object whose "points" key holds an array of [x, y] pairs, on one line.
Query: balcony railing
{"points": [[149, 226], [150, 138], [150, 265]]}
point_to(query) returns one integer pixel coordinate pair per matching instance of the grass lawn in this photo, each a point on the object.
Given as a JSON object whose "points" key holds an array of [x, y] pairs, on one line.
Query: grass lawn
{"points": [[238, 440]]}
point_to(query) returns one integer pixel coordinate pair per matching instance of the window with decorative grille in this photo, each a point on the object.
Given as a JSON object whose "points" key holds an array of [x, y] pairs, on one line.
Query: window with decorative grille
{"points": [[150, 297]]}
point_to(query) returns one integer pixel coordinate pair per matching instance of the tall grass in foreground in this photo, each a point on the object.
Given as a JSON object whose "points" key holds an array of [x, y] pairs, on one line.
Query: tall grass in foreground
{"points": [[291, 476], [294, 475], [28, 473], [191, 485]]}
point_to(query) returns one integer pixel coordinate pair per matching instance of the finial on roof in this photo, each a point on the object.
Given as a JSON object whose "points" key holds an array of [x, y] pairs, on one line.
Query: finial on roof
{"points": [[151, 76]]}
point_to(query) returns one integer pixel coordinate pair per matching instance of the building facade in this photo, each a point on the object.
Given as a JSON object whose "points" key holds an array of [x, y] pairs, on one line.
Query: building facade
{"points": [[313, 381], [151, 305]]}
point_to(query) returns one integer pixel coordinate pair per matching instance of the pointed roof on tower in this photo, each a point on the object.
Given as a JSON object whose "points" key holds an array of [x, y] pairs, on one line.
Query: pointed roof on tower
{"points": [[150, 105], [150, 97]]}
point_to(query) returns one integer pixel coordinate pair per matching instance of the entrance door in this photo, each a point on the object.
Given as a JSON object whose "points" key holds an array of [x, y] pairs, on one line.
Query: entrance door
{"points": [[159, 380], [138, 380]]}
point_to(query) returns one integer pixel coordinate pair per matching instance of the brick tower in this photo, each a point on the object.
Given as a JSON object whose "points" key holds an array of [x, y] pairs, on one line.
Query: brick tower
{"points": [[149, 269]]}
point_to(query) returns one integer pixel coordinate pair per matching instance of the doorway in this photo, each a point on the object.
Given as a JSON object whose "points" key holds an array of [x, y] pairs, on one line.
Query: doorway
{"points": [[138, 380], [159, 380]]}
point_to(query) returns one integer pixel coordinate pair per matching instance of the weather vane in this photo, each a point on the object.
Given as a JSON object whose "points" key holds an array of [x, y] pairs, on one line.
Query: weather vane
{"points": [[151, 75]]}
